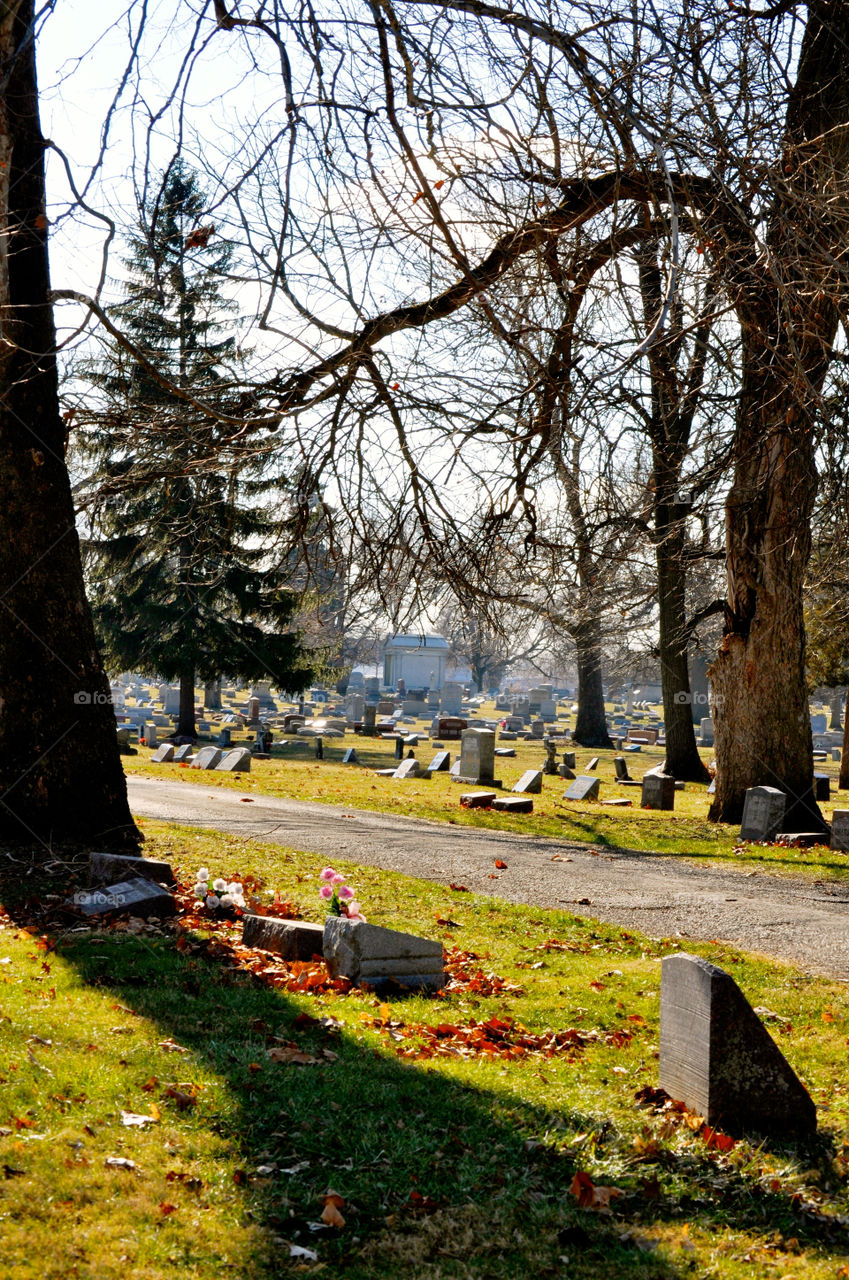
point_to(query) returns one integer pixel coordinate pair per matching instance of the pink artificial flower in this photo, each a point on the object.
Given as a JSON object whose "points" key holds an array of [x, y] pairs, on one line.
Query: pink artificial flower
{"points": [[325, 891], [327, 874], [345, 893], [354, 911], [337, 879]]}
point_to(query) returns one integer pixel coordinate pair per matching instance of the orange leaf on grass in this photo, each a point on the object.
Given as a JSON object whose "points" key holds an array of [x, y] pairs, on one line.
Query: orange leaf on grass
{"points": [[502, 866], [165, 1209]]}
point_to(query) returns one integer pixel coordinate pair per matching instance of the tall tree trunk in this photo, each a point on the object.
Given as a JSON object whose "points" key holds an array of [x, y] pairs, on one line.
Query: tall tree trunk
{"points": [[186, 727], [788, 293], [682, 755], [758, 688], [60, 772], [591, 724], [212, 695]]}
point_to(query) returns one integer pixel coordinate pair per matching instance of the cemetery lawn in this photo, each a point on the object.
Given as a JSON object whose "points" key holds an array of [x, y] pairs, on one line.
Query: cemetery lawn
{"points": [[456, 1136], [294, 773]]}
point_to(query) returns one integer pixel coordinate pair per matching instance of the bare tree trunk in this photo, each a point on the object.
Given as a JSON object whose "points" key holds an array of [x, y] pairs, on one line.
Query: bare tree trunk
{"points": [[60, 772], [591, 724], [186, 727], [682, 755], [758, 687]]}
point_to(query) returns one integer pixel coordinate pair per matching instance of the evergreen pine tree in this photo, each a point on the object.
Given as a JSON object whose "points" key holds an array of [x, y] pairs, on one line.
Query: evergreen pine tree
{"points": [[181, 557]]}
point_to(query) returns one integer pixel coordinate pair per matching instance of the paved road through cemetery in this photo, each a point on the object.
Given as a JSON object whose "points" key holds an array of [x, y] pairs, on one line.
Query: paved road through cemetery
{"points": [[804, 921]]}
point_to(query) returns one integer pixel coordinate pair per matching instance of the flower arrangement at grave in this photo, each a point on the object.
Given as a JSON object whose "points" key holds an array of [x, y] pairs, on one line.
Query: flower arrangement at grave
{"points": [[338, 896], [221, 896]]}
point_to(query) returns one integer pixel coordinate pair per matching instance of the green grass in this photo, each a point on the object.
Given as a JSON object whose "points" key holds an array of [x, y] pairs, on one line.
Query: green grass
{"points": [[294, 773], [449, 1166]]}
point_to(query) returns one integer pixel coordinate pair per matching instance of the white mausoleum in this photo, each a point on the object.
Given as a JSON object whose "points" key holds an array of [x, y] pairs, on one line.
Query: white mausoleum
{"points": [[417, 660]]}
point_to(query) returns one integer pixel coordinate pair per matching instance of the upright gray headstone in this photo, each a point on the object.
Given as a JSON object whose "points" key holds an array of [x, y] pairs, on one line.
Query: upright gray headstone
{"points": [[163, 754], [658, 791], [840, 830], [440, 763], [206, 758], [106, 868], [717, 1057], [183, 753], [620, 764], [583, 788], [477, 756], [706, 725], [763, 813], [530, 783], [150, 735]]}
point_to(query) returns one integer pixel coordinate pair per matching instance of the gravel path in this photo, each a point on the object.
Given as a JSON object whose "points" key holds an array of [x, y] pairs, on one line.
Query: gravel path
{"points": [[803, 921]]}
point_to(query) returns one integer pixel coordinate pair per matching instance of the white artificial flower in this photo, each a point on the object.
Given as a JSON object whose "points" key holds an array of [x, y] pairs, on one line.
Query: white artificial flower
{"points": [[211, 900], [238, 899], [234, 887], [226, 900], [219, 885], [203, 874]]}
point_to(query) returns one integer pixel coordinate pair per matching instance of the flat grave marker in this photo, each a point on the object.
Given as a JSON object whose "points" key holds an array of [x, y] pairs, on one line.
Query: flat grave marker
{"points": [[583, 788]]}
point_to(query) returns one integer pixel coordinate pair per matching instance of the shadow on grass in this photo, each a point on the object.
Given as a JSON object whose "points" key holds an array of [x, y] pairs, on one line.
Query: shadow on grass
{"points": [[441, 1179]]}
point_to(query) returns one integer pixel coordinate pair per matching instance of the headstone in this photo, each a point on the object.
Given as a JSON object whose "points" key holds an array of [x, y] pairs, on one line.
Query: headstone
{"points": [[706, 731], [409, 768], [538, 729], [763, 813], [620, 764], [835, 753], [207, 758], [440, 763], [840, 830], [150, 735], [385, 707], [565, 772], [822, 786], [183, 753], [319, 748], [369, 717], [569, 759], [350, 757], [513, 804], [253, 710], [291, 939], [530, 783], [819, 724], [354, 707], [369, 955], [450, 728], [224, 739], [583, 788], [106, 868], [138, 897], [163, 754], [658, 791], [477, 757], [236, 761], [717, 1057], [399, 748], [478, 799], [548, 709]]}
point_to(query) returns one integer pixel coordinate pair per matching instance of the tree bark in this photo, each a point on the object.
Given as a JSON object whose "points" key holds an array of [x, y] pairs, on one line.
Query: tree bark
{"points": [[591, 724], [788, 303], [186, 727], [60, 772]]}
